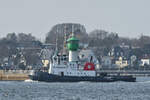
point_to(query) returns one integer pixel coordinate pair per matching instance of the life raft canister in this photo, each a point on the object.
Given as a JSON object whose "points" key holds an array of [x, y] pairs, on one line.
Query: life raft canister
{"points": [[89, 66]]}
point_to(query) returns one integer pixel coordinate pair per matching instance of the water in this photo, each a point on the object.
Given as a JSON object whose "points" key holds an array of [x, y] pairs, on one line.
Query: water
{"points": [[13, 90]]}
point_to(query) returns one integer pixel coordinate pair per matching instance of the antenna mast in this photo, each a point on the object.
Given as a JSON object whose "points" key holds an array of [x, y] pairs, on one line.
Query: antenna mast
{"points": [[57, 39], [65, 39], [72, 30]]}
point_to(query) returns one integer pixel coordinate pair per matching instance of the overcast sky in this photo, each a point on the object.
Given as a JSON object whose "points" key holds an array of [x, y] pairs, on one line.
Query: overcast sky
{"points": [[129, 18]]}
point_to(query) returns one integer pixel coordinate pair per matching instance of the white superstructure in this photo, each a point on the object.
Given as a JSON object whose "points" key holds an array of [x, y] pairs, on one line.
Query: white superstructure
{"points": [[70, 65]]}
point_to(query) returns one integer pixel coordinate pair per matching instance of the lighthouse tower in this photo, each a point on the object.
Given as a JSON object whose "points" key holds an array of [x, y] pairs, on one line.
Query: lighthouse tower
{"points": [[73, 45]]}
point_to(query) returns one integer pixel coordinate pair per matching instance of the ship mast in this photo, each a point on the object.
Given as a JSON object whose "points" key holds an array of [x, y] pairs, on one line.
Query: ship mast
{"points": [[72, 30], [56, 48], [65, 40]]}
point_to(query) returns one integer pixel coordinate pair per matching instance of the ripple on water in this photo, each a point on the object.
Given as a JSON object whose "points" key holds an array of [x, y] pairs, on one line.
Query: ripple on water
{"points": [[11, 90]]}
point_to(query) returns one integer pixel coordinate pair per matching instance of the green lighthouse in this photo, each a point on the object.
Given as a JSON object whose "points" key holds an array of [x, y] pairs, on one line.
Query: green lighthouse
{"points": [[73, 45]]}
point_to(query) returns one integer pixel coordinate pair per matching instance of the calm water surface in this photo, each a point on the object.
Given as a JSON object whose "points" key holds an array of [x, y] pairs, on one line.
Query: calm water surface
{"points": [[13, 90]]}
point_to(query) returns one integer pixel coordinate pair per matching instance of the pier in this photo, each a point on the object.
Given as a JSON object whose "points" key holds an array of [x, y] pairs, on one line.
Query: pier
{"points": [[14, 75], [126, 72]]}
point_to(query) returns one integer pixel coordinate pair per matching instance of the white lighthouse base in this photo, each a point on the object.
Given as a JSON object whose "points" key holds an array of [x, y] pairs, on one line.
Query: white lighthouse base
{"points": [[73, 56]]}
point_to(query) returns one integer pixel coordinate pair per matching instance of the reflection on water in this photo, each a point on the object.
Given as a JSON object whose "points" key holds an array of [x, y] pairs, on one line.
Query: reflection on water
{"points": [[11, 90]]}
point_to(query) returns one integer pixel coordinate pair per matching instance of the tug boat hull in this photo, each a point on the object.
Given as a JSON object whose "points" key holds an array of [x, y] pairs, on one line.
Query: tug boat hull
{"points": [[124, 78], [46, 77]]}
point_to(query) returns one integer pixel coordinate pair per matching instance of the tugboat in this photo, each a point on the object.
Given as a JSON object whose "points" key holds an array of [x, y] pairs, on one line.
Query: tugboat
{"points": [[63, 68]]}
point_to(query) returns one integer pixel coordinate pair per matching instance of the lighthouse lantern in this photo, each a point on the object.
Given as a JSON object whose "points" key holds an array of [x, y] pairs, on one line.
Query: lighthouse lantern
{"points": [[73, 45]]}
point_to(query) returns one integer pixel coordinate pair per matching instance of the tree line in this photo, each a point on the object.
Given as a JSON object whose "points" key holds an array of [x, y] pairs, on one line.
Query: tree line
{"points": [[13, 46], [18, 50]]}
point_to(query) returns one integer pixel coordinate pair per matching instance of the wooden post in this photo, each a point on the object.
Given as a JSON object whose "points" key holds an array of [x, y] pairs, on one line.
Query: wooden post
{"points": [[1, 74]]}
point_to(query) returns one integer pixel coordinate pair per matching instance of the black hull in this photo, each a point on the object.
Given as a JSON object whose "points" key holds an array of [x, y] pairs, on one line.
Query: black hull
{"points": [[125, 78], [46, 77]]}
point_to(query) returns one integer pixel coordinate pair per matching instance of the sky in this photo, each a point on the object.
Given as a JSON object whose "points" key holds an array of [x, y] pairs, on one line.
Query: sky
{"points": [[129, 18]]}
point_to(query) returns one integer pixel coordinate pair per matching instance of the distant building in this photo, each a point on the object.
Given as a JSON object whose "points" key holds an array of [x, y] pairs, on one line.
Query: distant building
{"points": [[121, 62], [144, 61], [124, 46], [29, 45], [133, 59], [83, 45], [23, 60], [45, 63], [45, 55], [106, 61], [116, 52], [121, 50]]}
